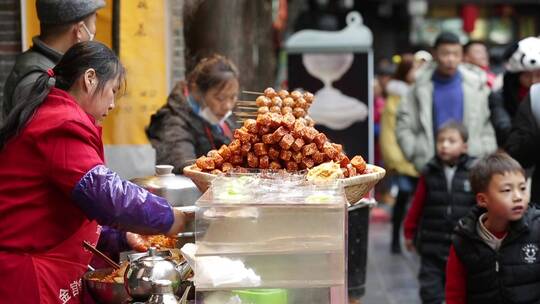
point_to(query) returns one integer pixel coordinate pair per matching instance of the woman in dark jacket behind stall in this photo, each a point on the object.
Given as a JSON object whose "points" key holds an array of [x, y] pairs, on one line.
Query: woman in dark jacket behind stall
{"points": [[54, 186], [192, 123], [523, 141]]}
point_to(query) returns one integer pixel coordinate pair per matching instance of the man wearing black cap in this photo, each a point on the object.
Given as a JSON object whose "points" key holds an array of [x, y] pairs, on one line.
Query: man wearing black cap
{"points": [[62, 24]]}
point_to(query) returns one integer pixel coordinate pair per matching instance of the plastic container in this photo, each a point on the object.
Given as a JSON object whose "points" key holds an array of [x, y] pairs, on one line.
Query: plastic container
{"points": [[281, 232]]}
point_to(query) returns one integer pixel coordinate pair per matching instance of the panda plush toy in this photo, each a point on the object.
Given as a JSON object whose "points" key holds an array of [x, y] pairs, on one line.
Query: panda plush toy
{"points": [[524, 55]]}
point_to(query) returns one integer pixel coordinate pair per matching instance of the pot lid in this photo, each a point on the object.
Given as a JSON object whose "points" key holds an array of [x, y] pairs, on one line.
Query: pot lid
{"points": [[164, 179], [152, 254]]}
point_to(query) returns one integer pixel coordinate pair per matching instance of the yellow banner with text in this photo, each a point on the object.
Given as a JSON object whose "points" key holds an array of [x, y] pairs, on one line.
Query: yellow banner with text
{"points": [[142, 51]]}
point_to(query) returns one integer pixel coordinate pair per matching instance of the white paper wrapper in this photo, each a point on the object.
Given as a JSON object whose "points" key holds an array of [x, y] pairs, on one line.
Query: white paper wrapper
{"points": [[219, 271]]}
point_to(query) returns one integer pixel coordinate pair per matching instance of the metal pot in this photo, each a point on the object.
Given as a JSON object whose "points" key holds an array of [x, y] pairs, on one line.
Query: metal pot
{"points": [[142, 272], [177, 189]]}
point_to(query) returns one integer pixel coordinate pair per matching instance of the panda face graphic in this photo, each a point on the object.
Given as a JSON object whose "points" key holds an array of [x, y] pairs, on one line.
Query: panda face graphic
{"points": [[529, 253], [526, 56]]}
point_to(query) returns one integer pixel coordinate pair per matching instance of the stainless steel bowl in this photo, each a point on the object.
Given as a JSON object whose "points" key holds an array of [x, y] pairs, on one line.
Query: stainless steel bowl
{"points": [[104, 292]]}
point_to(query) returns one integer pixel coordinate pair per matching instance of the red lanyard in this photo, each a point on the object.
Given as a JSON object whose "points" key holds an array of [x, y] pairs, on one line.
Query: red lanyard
{"points": [[226, 131], [210, 137]]}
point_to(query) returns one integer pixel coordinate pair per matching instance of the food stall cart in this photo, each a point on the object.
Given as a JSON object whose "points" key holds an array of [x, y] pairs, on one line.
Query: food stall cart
{"points": [[272, 222]]}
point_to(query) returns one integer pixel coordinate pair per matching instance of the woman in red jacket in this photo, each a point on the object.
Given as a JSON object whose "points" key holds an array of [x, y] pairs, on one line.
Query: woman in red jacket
{"points": [[54, 188]]}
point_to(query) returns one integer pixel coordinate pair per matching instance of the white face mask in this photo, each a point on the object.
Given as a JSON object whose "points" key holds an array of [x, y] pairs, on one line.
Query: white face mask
{"points": [[210, 117], [90, 35]]}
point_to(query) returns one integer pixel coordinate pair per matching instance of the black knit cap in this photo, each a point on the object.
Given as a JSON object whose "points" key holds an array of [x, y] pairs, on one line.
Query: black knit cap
{"points": [[66, 11]]}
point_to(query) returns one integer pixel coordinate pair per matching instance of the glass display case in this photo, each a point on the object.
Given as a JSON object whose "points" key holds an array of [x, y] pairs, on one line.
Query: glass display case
{"points": [[272, 240]]}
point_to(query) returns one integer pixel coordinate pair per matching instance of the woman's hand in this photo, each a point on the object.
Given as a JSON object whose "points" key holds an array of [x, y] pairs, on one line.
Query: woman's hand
{"points": [[137, 242], [182, 216]]}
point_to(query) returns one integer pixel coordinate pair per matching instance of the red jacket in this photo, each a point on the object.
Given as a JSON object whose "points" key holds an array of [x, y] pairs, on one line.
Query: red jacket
{"points": [[412, 220], [456, 277], [456, 280], [39, 170]]}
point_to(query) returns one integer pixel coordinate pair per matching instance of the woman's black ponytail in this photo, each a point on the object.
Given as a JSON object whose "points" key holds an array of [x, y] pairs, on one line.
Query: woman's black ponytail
{"points": [[26, 105], [75, 62]]}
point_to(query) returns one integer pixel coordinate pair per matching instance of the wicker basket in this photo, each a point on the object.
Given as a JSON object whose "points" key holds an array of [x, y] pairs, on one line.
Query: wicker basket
{"points": [[355, 187], [201, 179], [358, 186]]}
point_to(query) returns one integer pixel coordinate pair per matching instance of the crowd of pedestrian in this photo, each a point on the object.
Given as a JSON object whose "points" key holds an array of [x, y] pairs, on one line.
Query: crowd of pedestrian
{"points": [[460, 143]]}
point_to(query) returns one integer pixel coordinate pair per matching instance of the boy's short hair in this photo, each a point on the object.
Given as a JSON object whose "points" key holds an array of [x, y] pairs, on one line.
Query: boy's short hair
{"points": [[469, 44], [484, 169], [446, 38], [454, 125]]}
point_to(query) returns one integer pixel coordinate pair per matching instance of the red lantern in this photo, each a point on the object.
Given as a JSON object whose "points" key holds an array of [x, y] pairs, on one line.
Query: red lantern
{"points": [[469, 14]]}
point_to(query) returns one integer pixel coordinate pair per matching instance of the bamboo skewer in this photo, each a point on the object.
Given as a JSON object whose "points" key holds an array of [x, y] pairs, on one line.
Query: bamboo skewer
{"points": [[246, 109], [252, 93], [246, 102], [244, 114], [101, 255]]}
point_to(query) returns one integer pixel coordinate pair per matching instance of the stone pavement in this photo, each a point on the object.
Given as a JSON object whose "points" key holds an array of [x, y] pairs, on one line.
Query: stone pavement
{"points": [[391, 279]]}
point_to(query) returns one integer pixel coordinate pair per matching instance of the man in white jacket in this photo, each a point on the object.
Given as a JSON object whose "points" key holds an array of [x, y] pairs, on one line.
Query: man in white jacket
{"points": [[445, 90]]}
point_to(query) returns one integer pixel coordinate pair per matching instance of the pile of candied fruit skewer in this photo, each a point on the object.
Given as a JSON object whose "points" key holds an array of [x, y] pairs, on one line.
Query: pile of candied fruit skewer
{"points": [[282, 137]]}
